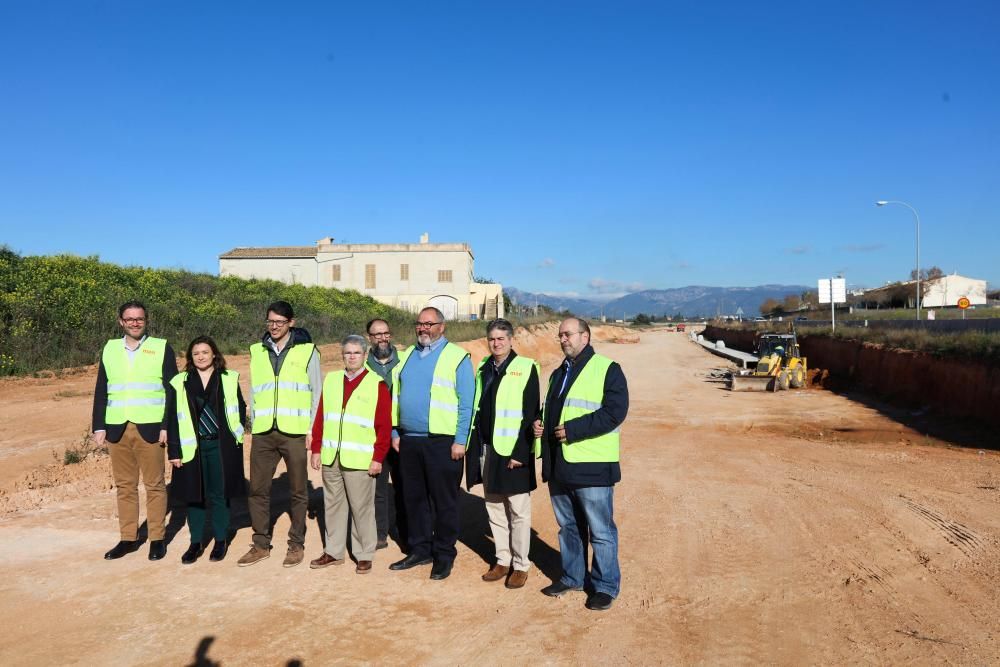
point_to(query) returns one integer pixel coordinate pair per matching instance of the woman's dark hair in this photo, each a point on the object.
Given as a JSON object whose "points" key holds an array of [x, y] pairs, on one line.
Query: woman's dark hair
{"points": [[219, 363]]}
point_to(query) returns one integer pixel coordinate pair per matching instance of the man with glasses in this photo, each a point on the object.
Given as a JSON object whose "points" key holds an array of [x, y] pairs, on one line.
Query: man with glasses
{"points": [[432, 393], [285, 389], [382, 358], [586, 403], [130, 417]]}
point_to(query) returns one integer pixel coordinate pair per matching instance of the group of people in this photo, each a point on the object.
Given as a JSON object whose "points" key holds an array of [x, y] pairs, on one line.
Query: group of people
{"points": [[393, 434]]}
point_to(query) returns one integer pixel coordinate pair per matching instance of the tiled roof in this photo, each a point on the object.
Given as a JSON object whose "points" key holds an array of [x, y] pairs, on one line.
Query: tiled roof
{"points": [[277, 251]]}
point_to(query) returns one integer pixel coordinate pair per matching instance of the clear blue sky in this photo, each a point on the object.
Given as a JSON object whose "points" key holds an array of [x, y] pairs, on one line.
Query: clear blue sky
{"points": [[577, 146]]}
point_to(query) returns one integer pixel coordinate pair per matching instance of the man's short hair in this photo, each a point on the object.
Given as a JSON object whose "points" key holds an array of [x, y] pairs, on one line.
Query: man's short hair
{"points": [[440, 315], [282, 308], [356, 340], [368, 327], [501, 324], [131, 304], [581, 325]]}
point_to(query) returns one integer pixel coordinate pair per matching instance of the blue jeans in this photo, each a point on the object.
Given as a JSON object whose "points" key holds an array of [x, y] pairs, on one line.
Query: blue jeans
{"points": [[585, 514]]}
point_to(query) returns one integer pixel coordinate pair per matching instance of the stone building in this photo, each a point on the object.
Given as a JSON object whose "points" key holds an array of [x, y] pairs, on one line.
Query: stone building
{"points": [[408, 276]]}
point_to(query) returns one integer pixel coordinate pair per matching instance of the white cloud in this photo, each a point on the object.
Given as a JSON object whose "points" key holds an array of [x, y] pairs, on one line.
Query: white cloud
{"points": [[547, 263]]}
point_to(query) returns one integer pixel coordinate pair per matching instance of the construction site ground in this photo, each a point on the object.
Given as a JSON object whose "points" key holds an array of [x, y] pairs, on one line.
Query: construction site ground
{"points": [[801, 527]]}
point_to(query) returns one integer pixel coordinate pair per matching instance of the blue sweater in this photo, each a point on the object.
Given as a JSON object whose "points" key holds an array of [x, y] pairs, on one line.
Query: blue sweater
{"points": [[415, 399]]}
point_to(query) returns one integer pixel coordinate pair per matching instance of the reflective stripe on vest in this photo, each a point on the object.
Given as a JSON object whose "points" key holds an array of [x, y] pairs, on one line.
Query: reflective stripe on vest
{"points": [[443, 415], [585, 395], [509, 406], [350, 429], [185, 421], [135, 389], [286, 399]]}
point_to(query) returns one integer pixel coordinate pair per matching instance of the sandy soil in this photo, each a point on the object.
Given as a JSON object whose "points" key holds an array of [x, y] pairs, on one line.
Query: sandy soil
{"points": [[791, 528]]}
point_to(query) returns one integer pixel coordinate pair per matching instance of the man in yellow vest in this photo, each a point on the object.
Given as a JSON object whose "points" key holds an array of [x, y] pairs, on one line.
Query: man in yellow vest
{"points": [[285, 388], [501, 450], [351, 436], [130, 417], [586, 403], [432, 392]]}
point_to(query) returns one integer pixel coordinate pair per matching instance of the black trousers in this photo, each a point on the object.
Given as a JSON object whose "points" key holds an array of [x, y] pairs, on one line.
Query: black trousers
{"points": [[390, 508], [430, 489]]}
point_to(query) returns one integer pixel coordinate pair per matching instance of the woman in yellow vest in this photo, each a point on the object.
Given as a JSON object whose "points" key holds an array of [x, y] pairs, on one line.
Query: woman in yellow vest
{"points": [[206, 414]]}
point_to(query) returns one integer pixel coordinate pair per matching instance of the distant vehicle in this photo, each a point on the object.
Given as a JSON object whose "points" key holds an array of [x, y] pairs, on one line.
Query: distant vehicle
{"points": [[759, 319], [681, 327], [801, 319]]}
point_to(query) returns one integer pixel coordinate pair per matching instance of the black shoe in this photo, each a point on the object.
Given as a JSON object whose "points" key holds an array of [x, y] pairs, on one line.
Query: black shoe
{"points": [[219, 551], [558, 589], [122, 548], [440, 570], [382, 544], [599, 601], [157, 549], [410, 561], [193, 553]]}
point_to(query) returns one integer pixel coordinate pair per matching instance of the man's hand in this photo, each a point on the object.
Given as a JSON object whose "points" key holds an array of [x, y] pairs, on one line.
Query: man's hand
{"points": [[457, 452], [514, 464], [560, 433], [175, 463], [314, 461], [395, 444], [538, 428], [374, 469], [163, 436], [100, 437], [309, 441]]}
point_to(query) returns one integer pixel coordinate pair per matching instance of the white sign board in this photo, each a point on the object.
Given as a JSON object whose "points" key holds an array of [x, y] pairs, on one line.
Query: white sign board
{"points": [[832, 290]]}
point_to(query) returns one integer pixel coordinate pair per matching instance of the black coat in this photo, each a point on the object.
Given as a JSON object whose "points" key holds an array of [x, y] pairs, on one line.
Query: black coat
{"points": [[500, 479], [186, 484]]}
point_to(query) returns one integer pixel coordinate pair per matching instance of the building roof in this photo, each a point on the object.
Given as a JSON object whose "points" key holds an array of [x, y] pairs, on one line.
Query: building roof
{"points": [[276, 251]]}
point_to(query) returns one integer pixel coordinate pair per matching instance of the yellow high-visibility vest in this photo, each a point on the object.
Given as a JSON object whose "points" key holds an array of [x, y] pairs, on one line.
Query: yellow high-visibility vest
{"points": [[135, 389], [443, 417], [285, 400], [185, 421], [509, 409], [585, 396], [349, 429]]}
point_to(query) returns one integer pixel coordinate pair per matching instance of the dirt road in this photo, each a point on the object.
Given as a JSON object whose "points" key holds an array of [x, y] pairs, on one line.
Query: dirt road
{"points": [[794, 528]]}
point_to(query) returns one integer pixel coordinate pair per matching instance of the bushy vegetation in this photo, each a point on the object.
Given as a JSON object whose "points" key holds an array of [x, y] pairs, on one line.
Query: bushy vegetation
{"points": [[973, 345], [57, 311]]}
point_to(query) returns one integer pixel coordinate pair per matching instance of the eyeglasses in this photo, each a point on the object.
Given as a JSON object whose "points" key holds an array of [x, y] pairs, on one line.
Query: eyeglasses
{"points": [[426, 325], [133, 320], [568, 334], [381, 334], [276, 323]]}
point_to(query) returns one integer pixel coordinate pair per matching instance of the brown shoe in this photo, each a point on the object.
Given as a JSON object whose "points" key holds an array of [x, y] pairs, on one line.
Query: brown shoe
{"points": [[294, 556], [364, 567], [517, 579], [496, 573], [255, 555], [322, 561]]}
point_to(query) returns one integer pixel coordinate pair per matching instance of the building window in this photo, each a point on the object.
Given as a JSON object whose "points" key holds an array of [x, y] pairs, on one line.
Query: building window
{"points": [[335, 273], [404, 305], [404, 271], [369, 276], [444, 276]]}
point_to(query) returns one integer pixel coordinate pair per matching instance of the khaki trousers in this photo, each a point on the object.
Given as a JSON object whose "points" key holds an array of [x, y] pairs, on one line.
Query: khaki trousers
{"points": [[346, 490], [131, 457], [510, 523]]}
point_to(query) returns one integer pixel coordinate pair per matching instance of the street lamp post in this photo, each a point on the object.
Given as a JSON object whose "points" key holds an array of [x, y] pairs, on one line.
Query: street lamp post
{"points": [[917, 218]]}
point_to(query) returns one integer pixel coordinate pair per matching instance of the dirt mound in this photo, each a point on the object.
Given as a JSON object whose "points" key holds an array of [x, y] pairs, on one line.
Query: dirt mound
{"points": [[58, 482]]}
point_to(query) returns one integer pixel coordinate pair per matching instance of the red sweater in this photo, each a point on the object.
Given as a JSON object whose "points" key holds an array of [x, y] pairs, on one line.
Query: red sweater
{"points": [[383, 418]]}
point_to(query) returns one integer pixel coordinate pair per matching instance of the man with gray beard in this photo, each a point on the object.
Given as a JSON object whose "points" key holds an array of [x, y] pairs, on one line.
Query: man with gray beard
{"points": [[382, 358]]}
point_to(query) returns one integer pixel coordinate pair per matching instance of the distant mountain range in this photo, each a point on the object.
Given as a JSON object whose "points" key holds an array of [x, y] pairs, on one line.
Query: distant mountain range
{"points": [[691, 301]]}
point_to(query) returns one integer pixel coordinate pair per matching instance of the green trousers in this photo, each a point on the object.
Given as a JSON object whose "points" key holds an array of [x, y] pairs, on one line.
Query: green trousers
{"points": [[214, 494]]}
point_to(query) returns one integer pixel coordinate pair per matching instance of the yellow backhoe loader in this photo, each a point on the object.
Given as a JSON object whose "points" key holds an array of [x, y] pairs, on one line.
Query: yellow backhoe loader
{"points": [[780, 365]]}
